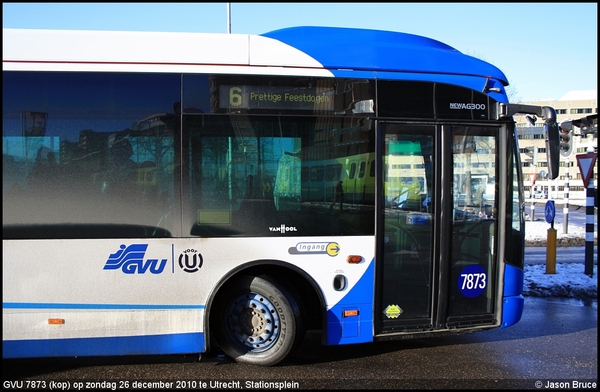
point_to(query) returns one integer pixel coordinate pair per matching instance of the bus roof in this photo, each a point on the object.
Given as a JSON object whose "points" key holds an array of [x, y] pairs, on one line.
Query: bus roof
{"points": [[302, 51], [378, 50]]}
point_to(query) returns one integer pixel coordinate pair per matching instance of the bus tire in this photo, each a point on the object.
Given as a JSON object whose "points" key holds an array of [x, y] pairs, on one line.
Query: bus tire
{"points": [[257, 321]]}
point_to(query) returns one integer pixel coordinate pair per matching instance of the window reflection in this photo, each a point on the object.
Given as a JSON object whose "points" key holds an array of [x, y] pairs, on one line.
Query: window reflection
{"points": [[105, 156], [473, 253], [278, 174]]}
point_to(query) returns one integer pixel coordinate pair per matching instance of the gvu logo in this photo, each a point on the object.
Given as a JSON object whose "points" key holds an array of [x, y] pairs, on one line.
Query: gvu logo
{"points": [[131, 260]]}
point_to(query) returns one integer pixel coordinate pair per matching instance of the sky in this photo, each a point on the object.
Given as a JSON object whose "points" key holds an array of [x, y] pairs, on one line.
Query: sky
{"points": [[544, 49]]}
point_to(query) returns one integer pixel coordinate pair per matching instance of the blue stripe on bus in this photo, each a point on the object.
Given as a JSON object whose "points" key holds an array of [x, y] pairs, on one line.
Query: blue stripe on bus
{"points": [[378, 50], [513, 281], [36, 305], [513, 301], [512, 310], [353, 329], [183, 343]]}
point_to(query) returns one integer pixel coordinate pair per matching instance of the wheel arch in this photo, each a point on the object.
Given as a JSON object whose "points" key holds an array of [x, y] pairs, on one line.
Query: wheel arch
{"points": [[301, 285]]}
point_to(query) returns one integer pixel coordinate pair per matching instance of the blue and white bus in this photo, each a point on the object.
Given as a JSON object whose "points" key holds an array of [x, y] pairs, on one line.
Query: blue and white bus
{"points": [[172, 193]]}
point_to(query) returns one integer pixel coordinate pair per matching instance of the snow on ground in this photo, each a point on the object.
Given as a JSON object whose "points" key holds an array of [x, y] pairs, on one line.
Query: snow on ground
{"points": [[538, 232], [569, 280]]}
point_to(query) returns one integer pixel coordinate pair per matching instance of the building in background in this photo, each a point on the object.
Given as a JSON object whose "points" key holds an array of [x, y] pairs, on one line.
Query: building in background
{"points": [[572, 106]]}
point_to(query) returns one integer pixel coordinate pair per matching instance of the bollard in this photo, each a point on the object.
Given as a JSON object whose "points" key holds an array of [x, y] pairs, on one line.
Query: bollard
{"points": [[551, 251]]}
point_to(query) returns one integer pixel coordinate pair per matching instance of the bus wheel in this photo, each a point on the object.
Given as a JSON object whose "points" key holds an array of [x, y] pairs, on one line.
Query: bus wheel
{"points": [[257, 321]]}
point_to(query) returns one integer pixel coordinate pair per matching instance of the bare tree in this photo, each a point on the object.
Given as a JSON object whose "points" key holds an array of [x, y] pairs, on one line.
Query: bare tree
{"points": [[511, 92]]}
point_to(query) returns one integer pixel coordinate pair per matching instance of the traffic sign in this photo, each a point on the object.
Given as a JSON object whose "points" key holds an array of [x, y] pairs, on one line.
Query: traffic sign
{"points": [[586, 166], [532, 177], [550, 211]]}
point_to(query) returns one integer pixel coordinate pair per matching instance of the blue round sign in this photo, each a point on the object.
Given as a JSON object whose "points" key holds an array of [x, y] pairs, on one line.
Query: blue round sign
{"points": [[550, 211], [472, 281]]}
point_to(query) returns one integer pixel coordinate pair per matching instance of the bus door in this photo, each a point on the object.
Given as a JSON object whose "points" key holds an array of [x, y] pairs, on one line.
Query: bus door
{"points": [[436, 254]]}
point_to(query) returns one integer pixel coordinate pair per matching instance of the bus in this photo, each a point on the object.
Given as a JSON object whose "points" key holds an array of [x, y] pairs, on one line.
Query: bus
{"points": [[174, 193]]}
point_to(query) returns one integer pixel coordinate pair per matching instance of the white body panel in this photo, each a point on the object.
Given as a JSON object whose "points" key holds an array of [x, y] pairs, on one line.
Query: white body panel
{"points": [[68, 275], [58, 50]]}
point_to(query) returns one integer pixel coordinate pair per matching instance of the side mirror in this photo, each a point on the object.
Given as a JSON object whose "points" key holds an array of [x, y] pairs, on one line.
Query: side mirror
{"points": [[552, 136]]}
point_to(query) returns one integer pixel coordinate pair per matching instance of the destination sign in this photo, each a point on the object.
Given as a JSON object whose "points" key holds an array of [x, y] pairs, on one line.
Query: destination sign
{"points": [[267, 97]]}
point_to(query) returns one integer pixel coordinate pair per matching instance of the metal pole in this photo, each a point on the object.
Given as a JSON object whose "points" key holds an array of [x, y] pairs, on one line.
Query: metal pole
{"points": [[535, 150], [589, 226], [532, 200], [228, 18], [566, 201]]}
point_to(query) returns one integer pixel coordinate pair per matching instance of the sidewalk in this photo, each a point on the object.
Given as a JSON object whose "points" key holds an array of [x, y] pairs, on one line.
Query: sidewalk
{"points": [[536, 234]]}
